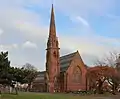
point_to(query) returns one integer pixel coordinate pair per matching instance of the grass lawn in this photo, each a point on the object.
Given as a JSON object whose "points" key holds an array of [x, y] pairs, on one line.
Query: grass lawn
{"points": [[45, 96]]}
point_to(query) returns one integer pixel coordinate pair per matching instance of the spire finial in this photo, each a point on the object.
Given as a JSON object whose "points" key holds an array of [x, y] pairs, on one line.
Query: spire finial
{"points": [[52, 23]]}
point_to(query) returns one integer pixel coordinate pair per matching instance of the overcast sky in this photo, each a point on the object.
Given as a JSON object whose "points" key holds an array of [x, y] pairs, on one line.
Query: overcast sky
{"points": [[90, 26]]}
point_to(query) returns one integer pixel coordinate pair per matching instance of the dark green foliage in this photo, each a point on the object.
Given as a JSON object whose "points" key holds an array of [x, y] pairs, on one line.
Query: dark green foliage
{"points": [[11, 75], [5, 77]]}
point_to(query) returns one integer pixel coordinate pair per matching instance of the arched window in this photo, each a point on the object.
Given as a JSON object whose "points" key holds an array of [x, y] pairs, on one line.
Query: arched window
{"points": [[76, 75]]}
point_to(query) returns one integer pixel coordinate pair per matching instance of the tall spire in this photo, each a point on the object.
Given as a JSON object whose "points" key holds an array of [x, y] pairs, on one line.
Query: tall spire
{"points": [[52, 58], [52, 30]]}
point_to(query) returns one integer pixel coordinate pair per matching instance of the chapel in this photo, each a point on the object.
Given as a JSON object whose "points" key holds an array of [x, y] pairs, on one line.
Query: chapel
{"points": [[62, 74]]}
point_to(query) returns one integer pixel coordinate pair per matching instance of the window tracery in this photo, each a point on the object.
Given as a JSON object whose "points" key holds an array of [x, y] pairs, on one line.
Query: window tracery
{"points": [[77, 75]]}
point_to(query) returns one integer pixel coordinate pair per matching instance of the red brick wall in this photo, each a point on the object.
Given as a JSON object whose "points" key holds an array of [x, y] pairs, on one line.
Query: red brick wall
{"points": [[71, 85]]}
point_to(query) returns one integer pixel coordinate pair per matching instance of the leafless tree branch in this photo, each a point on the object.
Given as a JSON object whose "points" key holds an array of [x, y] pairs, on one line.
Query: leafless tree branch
{"points": [[108, 59]]}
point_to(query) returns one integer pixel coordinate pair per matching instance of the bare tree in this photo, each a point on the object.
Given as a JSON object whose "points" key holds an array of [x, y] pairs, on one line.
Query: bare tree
{"points": [[108, 59], [31, 74], [99, 62], [111, 58], [29, 67]]}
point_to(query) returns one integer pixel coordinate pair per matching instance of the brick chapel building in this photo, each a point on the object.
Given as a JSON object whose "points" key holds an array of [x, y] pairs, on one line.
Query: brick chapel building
{"points": [[66, 73]]}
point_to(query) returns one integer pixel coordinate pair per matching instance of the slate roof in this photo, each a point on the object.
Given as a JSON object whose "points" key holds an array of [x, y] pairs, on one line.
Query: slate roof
{"points": [[65, 61], [42, 72], [40, 76]]}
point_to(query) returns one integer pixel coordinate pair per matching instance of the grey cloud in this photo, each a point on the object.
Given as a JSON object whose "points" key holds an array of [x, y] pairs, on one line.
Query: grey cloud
{"points": [[21, 25], [89, 59], [29, 44]]}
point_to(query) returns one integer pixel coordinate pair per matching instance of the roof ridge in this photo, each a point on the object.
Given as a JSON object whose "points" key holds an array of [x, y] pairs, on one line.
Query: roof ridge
{"points": [[73, 53]]}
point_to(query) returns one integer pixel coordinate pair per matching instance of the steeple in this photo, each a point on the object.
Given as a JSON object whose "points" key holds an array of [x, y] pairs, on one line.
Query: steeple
{"points": [[52, 30], [52, 58]]}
